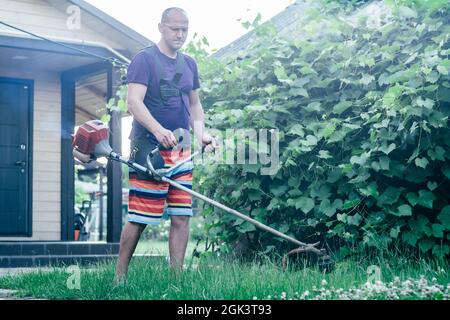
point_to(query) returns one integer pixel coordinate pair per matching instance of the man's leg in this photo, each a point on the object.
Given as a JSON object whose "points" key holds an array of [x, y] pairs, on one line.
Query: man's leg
{"points": [[128, 242], [178, 239], [179, 208]]}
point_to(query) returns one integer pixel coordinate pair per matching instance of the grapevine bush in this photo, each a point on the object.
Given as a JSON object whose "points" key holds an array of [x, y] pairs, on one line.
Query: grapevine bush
{"points": [[362, 106]]}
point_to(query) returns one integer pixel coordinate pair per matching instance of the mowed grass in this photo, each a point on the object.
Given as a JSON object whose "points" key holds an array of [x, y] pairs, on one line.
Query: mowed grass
{"points": [[217, 279], [160, 247]]}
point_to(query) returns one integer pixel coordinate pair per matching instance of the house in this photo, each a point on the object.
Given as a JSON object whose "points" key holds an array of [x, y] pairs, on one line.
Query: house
{"points": [[286, 24], [46, 90]]}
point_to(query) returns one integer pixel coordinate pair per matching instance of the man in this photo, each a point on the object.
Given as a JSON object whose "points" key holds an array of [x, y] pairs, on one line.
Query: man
{"points": [[162, 97]]}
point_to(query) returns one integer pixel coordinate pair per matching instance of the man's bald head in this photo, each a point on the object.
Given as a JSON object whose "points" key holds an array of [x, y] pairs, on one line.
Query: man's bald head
{"points": [[174, 28], [166, 14]]}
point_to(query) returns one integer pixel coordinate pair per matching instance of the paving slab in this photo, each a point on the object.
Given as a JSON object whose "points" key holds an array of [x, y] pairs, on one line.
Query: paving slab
{"points": [[16, 271], [7, 294]]}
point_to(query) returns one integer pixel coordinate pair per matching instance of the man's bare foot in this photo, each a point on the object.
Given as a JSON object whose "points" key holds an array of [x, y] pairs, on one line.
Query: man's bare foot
{"points": [[119, 281]]}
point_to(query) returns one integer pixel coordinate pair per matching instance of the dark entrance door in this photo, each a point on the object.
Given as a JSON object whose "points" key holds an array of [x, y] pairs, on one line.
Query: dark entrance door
{"points": [[15, 159]]}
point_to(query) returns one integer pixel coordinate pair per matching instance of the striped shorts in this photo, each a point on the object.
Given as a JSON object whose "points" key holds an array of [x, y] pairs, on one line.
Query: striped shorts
{"points": [[151, 201]]}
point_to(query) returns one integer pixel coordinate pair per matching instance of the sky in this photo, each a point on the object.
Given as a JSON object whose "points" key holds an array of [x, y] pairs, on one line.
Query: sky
{"points": [[215, 19]]}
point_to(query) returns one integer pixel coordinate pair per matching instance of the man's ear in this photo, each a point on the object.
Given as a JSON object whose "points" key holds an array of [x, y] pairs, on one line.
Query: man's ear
{"points": [[160, 27]]}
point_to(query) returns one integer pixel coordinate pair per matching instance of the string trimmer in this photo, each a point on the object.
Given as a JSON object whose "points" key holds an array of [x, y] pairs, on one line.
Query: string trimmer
{"points": [[91, 142]]}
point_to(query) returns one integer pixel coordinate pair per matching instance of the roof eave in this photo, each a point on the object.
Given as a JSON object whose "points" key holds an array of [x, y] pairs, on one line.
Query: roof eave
{"points": [[117, 25]]}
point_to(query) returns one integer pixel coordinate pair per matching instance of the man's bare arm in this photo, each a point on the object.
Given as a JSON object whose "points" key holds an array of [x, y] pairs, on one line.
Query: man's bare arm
{"points": [[197, 122], [197, 119], [136, 106]]}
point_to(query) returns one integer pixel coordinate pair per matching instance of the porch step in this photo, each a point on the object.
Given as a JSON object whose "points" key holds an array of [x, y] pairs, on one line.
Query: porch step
{"points": [[57, 248], [53, 260], [63, 260]]}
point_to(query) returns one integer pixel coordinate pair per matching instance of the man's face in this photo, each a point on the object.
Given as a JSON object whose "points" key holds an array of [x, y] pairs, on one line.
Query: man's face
{"points": [[174, 30]]}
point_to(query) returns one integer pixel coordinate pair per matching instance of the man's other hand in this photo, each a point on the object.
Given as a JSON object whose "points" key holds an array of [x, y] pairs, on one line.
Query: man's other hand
{"points": [[209, 142], [82, 157]]}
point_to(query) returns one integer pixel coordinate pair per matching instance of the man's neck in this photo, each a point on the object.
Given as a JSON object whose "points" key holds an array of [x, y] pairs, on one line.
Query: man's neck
{"points": [[166, 50]]}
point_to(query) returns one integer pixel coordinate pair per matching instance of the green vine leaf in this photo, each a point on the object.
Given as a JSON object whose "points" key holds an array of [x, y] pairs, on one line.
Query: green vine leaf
{"points": [[444, 217], [341, 107], [426, 199], [432, 185], [389, 196], [404, 210], [304, 204], [426, 244], [444, 67], [438, 230], [421, 162], [387, 149]]}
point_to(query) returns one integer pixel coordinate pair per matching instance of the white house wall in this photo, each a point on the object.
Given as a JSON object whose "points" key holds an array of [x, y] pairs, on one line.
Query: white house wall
{"points": [[40, 17], [46, 154]]}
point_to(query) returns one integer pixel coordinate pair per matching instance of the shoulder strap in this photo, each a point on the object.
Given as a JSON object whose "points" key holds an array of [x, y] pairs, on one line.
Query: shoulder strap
{"points": [[152, 50], [179, 68], [181, 62]]}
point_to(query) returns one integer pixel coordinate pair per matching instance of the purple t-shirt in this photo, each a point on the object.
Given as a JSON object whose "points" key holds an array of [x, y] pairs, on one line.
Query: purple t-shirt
{"points": [[173, 114]]}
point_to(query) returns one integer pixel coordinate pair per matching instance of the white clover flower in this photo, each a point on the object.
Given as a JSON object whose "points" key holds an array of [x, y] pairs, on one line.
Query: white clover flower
{"points": [[422, 280], [411, 288], [395, 296], [407, 283]]}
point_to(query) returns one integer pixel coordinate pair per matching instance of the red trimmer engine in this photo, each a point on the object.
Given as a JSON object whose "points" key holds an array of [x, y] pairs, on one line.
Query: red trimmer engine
{"points": [[89, 135], [91, 141]]}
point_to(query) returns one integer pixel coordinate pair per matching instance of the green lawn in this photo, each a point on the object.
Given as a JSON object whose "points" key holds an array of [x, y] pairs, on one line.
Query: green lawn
{"points": [[160, 247], [208, 278]]}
